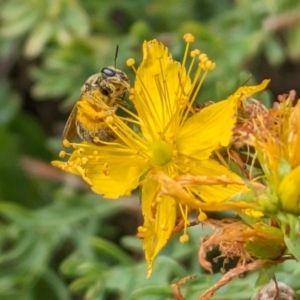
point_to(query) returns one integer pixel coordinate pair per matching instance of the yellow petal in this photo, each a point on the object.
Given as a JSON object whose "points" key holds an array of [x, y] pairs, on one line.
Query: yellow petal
{"points": [[294, 136], [110, 171], [212, 127], [158, 89], [64, 166], [119, 178], [159, 220], [208, 130], [183, 195], [214, 193], [289, 192]]}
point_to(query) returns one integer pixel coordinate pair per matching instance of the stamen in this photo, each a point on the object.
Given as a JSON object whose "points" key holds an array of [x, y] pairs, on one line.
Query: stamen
{"points": [[131, 114], [188, 39], [129, 120], [202, 216], [66, 143], [147, 112], [184, 238], [221, 158], [194, 54], [130, 62], [62, 154]]}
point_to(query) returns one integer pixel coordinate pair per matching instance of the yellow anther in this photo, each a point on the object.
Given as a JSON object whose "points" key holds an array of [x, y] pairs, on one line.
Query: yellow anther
{"points": [[189, 38], [141, 229], [202, 216], [184, 238], [84, 160], [163, 227], [66, 143], [202, 56], [62, 153], [130, 62], [204, 60], [80, 151], [195, 52], [109, 119]]}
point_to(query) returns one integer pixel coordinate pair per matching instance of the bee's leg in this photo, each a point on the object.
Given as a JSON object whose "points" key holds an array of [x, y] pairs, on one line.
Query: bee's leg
{"points": [[86, 109], [104, 114]]}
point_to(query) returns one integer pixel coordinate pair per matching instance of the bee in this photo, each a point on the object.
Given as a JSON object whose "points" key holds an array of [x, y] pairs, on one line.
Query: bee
{"points": [[100, 96]]}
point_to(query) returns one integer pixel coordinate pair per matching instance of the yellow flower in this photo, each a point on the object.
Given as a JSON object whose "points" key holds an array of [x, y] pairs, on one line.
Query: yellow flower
{"points": [[276, 138], [163, 136]]}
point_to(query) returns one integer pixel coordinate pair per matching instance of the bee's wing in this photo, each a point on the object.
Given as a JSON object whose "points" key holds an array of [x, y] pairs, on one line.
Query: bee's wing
{"points": [[70, 128]]}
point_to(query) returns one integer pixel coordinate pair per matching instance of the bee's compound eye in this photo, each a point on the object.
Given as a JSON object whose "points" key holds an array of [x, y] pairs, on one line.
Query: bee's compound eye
{"points": [[108, 72]]}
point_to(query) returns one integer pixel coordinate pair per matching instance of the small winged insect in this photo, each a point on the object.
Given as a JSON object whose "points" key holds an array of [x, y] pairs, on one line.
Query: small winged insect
{"points": [[100, 96]]}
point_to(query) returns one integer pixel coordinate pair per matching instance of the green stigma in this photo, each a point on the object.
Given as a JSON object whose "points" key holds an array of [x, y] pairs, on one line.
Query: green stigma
{"points": [[161, 153]]}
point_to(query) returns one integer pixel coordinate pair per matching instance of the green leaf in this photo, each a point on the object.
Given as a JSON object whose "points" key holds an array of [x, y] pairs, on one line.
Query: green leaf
{"points": [[17, 27], [265, 275], [38, 39], [157, 292], [293, 42], [75, 15], [293, 244], [9, 104], [274, 51], [112, 250]]}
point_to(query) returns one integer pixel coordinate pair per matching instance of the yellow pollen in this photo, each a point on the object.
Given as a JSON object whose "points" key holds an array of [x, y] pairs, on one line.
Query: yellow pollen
{"points": [[158, 199], [189, 38], [202, 56], [204, 60], [186, 161], [183, 79], [66, 143], [109, 119], [202, 216], [141, 229], [130, 62], [95, 152], [184, 238], [62, 153], [163, 227], [80, 151], [105, 166], [209, 65], [195, 53], [127, 193], [84, 160]]}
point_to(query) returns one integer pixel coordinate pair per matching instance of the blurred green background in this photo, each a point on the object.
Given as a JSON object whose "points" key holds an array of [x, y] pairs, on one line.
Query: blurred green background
{"points": [[57, 239]]}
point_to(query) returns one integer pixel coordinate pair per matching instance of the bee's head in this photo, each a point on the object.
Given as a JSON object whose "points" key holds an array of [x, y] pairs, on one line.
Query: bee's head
{"points": [[111, 82], [115, 79]]}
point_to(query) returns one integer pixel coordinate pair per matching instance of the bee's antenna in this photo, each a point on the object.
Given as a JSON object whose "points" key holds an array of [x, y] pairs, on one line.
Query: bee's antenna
{"points": [[249, 77], [116, 55]]}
